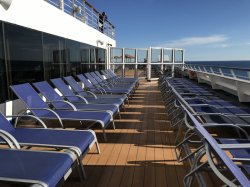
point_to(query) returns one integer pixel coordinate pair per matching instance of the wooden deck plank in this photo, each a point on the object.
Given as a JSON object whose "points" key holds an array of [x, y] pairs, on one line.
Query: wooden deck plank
{"points": [[140, 151]]}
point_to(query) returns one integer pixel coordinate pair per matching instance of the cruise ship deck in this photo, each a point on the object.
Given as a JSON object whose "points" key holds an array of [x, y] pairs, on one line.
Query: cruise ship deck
{"points": [[140, 151]]}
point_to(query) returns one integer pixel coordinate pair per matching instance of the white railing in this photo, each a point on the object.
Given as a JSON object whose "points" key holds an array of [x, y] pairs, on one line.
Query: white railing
{"points": [[233, 72], [85, 12], [230, 79]]}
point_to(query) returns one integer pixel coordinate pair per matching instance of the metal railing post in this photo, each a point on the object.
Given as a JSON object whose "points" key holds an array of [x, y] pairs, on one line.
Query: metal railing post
{"points": [[173, 60], [149, 64], [123, 63], [62, 5], [136, 62]]}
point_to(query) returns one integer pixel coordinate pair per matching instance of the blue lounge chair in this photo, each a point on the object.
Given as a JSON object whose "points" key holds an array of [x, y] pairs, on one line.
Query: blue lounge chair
{"points": [[106, 87], [79, 142], [78, 89], [126, 79], [39, 108], [57, 101], [91, 85], [80, 96], [36, 168], [210, 146], [105, 93], [100, 79], [115, 84]]}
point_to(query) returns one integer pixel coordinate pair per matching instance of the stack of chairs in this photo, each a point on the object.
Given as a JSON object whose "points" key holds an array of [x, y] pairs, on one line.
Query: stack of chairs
{"points": [[211, 132], [65, 100]]}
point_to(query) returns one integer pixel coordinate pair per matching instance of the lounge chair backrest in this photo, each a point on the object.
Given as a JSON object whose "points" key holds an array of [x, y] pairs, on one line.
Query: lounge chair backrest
{"points": [[84, 81], [64, 89], [106, 74], [99, 80], [238, 174], [111, 72], [30, 97], [93, 81], [48, 91], [74, 85], [99, 75], [5, 124]]}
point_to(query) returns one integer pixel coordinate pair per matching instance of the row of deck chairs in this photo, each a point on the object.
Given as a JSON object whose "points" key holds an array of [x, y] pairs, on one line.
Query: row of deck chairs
{"points": [[98, 102], [212, 133]]}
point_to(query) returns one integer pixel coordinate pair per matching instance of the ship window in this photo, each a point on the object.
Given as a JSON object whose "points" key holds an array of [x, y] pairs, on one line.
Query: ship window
{"points": [[24, 53], [73, 51], [100, 58], [3, 78], [55, 56], [85, 58]]}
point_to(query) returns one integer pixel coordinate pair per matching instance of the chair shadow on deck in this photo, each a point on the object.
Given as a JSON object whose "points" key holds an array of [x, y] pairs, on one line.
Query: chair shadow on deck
{"points": [[133, 173]]}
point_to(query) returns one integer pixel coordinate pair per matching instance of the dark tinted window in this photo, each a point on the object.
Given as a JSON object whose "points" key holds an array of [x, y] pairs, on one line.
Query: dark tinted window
{"points": [[3, 78], [24, 52], [56, 56], [73, 49]]}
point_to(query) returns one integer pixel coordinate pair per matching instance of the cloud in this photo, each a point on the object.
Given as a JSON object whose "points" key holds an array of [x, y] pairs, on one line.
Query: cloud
{"points": [[196, 41]]}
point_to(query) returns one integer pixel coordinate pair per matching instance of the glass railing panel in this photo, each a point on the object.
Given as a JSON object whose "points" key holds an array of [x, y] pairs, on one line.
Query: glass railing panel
{"points": [[227, 72], [156, 55], [216, 70], [241, 74], [129, 55], [117, 68], [207, 69], [130, 70], [178, 56], [116, 55], [55, 3], [167, 56]]}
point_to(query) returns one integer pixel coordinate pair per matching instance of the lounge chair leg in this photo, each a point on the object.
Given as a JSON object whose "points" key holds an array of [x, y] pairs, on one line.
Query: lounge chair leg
{"points": [[113, 123], [104, 135], [97, 147], [81, 170]]}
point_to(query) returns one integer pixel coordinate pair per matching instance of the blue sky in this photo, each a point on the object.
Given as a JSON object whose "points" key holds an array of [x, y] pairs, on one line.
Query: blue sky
{"points": [[206, 29]]}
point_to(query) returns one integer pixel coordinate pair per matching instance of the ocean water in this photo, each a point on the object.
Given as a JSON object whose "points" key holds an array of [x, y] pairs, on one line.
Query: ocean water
{"points": [[241, 69]]}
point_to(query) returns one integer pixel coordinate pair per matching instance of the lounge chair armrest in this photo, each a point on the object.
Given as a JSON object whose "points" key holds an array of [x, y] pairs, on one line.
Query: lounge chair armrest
{"points": [[79, 97], [63, 101], [9, 139], [235, 146], [214, 114], [50, 110], [100, 88], [30, 116], [91, 93], [237, 127]]}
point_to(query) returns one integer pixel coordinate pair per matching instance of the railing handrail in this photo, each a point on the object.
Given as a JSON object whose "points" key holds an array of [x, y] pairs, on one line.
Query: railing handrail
{"points": [[225, 67], [88, 14]]}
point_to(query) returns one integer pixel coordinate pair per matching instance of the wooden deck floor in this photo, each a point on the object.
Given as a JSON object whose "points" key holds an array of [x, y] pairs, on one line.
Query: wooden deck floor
{"points": [[140, 151]]}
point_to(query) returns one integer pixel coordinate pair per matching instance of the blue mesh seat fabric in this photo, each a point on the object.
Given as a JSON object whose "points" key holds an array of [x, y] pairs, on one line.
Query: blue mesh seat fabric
{"points": [[52, 95], [64, 89], [95, 90], [46, 167], [33, 101]]}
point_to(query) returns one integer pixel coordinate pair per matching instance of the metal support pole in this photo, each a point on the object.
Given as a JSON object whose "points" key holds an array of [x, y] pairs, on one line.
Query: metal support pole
{"points": [[173, 55], [162, 59], [62, 5], [123, 63], [149, 64], [136, 62]]}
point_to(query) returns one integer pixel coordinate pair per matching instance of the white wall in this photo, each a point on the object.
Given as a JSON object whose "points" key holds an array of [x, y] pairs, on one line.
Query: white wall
{"points": [[40, 15]]}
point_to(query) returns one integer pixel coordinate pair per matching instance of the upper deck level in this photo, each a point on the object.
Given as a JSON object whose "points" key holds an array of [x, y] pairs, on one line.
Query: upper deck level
{"points": [[86, 13], [71, 19]]}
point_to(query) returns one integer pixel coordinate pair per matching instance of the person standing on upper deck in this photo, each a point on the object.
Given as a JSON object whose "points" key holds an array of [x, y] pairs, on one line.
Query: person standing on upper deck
{"points": [[102, 19]]}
